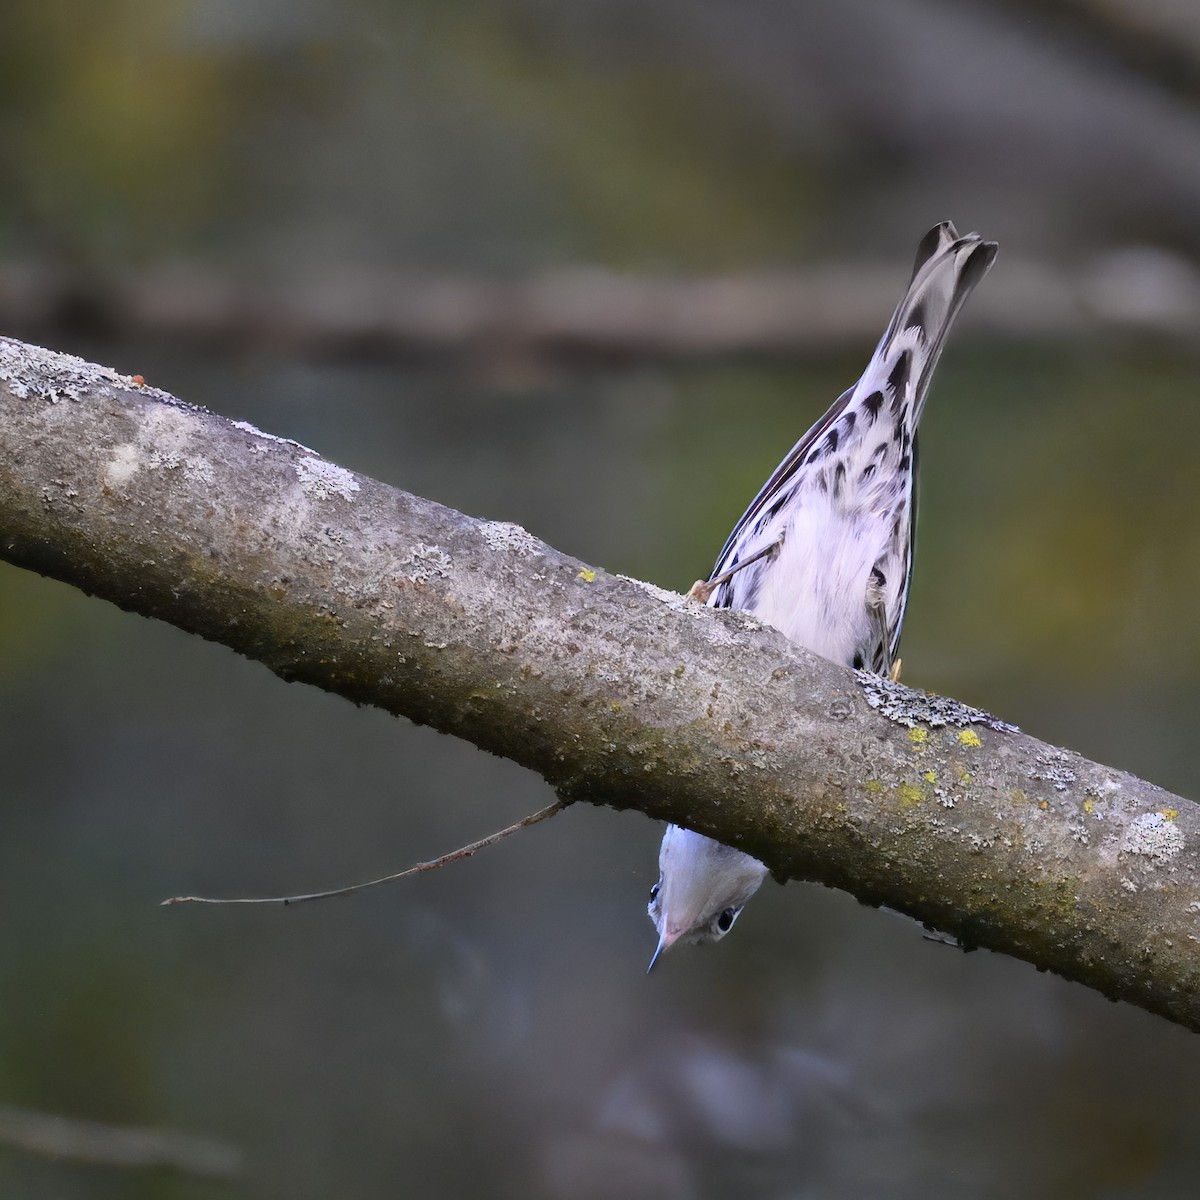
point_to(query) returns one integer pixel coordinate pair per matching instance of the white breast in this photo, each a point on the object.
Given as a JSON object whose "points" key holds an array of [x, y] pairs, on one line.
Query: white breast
{"points": [[815, 590]]}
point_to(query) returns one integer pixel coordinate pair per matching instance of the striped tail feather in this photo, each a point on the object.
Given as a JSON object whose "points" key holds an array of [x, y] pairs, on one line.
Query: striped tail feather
{"points": [[946, 271]]}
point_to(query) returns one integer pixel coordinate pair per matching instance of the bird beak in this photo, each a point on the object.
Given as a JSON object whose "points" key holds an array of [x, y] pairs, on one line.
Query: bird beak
{"points": [[664, 943]]}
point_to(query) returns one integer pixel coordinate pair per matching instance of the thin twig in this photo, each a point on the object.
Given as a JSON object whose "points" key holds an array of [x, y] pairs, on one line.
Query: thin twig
{"points": [[420, 868]]}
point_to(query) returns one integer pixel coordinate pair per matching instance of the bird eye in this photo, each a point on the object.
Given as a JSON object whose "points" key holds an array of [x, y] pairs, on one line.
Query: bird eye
{"points": [[654, 891], [726, 919]]}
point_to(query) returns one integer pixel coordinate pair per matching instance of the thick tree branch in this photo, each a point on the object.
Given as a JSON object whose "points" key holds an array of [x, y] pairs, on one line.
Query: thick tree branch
{"points": [[615, 691]]}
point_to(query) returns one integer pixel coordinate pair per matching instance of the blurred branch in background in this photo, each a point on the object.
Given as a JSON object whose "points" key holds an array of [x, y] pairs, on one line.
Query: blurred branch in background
{"points": [[589, 311], [117, 1145], [616, 692]]}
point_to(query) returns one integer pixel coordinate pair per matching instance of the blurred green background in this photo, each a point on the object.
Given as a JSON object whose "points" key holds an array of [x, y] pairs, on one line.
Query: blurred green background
{"points": [[489, 1030]]}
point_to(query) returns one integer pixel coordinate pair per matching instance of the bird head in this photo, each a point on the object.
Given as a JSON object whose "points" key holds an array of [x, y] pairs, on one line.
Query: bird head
{"points": [[701, 888]]}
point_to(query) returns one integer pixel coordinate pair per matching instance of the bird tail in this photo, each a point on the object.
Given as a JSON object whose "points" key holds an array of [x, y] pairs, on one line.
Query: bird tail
{"points": [[946, 271]]}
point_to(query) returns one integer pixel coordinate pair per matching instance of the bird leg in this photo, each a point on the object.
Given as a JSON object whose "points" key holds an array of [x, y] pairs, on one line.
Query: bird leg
{"points": [[702, 589]]}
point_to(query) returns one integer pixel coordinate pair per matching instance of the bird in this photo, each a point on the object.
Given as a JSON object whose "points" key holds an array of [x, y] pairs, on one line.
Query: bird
{"points": [[825, 551]]}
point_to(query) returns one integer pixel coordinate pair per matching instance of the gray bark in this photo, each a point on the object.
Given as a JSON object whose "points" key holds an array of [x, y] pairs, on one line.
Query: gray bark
{"points": [[615, 691]]}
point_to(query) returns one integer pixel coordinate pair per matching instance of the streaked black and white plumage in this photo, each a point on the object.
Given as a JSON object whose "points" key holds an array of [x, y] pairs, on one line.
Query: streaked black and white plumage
{"points": [[824, 553]]}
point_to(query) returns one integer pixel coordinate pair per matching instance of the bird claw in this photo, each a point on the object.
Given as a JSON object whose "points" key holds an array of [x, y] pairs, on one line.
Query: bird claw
{"points": [[700, 591]]}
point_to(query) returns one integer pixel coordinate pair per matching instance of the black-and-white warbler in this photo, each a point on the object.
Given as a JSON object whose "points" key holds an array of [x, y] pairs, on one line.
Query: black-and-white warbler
{"points": [[824, 553]]}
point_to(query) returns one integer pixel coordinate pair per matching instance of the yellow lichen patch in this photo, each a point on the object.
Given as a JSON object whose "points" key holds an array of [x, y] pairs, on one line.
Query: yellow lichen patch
{"points": [[1089, 806], [918, 736], [969, 737], [910, 795], [1169, 813], [874, 786], [587, 575], [1044, 805], [930, 777], [964, 776]]}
